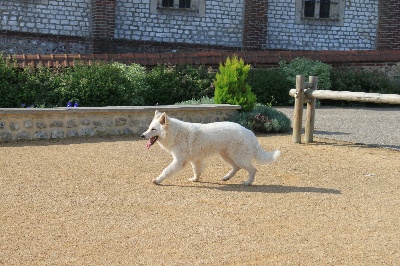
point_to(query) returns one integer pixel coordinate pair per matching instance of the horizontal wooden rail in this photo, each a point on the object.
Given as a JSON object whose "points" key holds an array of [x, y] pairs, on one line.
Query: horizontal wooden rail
{"points": [[350, 96]]}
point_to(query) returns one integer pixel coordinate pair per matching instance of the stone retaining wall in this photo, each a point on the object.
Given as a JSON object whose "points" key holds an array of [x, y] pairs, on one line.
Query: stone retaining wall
{"points": [[26, 124]]}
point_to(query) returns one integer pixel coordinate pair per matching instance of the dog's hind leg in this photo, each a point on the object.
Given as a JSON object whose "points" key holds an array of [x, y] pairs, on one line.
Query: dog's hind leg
{"points": [[234, 170], [171, 169], [252, 172], [198, 167]]}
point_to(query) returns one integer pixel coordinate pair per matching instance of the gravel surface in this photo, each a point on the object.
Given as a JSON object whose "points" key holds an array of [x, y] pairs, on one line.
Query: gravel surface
{"points": [[92, 202], [373, 126]]}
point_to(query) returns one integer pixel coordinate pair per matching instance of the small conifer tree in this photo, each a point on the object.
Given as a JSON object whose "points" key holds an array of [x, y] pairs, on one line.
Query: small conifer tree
{"points": [[231, 86]]}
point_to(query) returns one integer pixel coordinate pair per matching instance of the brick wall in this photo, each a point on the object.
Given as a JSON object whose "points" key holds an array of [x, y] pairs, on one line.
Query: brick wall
{"points": [[255, 24], [389, 25], [103, 25]]}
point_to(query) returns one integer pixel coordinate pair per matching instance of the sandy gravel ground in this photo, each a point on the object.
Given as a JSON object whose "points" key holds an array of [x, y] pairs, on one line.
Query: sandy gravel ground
{"points": [[93, 203]]}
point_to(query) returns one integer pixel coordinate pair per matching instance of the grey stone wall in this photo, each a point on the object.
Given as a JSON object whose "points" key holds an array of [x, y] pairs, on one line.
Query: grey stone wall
{"points": [[359, 30], [57, 17], [52, 18], [57, 123], [42, 45], [221, 23]]}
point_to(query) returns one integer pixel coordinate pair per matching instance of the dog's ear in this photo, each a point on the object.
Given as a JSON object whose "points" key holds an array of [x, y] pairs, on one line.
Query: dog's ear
{"points": [[157, 114], [163, 119]]}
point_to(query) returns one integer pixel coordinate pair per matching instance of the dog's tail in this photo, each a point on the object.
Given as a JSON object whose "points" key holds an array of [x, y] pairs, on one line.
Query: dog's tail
{"points": [[264, 157]]}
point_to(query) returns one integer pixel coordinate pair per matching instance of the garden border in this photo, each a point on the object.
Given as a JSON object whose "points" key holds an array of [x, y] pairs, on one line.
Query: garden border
{"points": [[27, 124]]}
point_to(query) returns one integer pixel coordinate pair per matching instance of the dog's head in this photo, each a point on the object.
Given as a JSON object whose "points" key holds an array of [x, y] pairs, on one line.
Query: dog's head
{"points": [[156, 130]]}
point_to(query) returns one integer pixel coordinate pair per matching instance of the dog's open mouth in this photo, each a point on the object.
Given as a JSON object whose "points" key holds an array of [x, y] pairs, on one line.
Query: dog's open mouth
{"points": [[151, 141]]}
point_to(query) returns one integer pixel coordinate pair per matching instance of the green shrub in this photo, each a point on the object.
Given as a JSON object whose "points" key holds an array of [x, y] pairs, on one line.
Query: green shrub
{"points": [[9, 84], [307, 67], [169, 84], [263, 119], [136, 84], [361, 80], [38, 85], [231, 86], [97, 85], [270, 86]]}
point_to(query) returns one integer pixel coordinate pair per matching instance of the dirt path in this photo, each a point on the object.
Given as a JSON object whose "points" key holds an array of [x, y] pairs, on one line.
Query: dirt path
{"points": [[93, 203]]}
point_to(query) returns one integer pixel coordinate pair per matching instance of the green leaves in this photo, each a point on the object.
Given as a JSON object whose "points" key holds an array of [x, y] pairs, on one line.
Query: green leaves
{"points": [[263, 119], [307, 67], [230, 84]]}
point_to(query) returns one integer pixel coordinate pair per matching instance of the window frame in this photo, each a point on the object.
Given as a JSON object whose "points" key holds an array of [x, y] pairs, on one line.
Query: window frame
{"points": [[336, 13], [176, 5], [197, 8]]}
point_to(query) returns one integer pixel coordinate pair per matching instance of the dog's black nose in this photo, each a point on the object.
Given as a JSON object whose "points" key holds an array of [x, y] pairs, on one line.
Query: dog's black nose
{"points": [[142, 136]]}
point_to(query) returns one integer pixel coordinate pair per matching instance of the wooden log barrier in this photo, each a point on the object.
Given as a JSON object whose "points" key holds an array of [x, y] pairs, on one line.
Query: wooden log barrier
{"points": [[350, 96], [306, 92]]}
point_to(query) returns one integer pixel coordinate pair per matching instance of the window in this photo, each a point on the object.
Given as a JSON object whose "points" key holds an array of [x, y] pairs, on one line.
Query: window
{"points": [[184, 3], [167, 3], [320, 12], [322, 9], [187, 4], [178, 7]]}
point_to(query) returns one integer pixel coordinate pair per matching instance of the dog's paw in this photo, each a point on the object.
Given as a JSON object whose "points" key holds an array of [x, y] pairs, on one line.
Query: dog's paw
{"points": [[246, 183], [155, 181], [194, 179], [225, 178]]}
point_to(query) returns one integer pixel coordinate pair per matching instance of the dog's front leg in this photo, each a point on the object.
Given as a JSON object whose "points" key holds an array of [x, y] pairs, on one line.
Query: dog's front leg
{"points": [[171, 169]]}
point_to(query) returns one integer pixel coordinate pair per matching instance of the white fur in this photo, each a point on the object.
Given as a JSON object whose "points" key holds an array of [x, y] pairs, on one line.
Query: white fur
{"points": [[192, 142]]}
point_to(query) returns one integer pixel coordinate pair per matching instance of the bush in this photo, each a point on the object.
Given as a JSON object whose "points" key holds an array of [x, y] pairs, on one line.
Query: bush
{"points": [[97, 85], [270, 86], [169, 84], [263, 119], [38, 85], [9, 81], [136, 84], [307, 67], [230, 84], [361, 80]]}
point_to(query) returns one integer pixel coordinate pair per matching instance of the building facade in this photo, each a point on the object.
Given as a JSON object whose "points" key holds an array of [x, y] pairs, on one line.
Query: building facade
{"points": [[125, 26]]}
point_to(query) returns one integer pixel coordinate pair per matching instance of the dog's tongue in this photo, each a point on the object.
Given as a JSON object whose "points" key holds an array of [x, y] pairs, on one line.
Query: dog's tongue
{"points": [[148, 144]]}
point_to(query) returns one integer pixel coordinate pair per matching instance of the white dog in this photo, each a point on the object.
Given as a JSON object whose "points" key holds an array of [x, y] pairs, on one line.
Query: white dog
{"points": [[192, 142]]}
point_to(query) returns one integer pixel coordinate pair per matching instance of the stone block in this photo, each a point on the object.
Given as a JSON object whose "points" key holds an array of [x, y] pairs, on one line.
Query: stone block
{"points": [[41, 125], [40, 135], [57, 134], [24, 135], [57, 123], [14, 126], [71, 123], [5, 136], [72, 134]]}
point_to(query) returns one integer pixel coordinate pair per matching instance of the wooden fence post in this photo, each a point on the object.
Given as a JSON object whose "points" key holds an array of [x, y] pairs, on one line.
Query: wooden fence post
{"points": [[310, 115], [298, 109]]}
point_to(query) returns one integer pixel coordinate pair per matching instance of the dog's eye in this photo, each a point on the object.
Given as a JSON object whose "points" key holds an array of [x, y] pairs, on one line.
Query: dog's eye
{"points": [[153, 129]]}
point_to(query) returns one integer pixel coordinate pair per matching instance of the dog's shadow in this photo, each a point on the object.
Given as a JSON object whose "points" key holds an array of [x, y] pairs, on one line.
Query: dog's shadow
{"points": [[261, 188]]}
